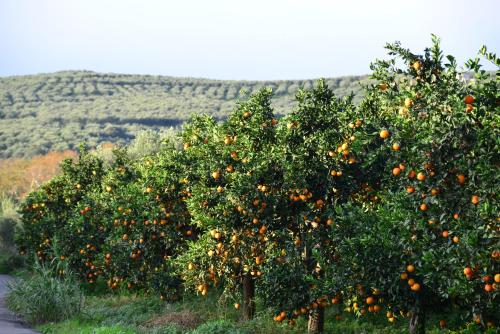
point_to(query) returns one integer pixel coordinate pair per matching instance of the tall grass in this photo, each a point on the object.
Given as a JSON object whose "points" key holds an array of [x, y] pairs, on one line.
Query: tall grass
{"points": [[43, 297]]}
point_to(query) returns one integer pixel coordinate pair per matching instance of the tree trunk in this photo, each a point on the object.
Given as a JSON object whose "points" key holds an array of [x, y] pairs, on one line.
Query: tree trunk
{"points": [[417, 322], [316, 322], [248, 298]]}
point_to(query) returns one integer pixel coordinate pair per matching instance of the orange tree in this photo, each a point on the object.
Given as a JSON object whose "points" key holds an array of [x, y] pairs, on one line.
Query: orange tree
{"points": [[146, 222], [433, 237], [48, 213], [233, 198], [320, 173]]}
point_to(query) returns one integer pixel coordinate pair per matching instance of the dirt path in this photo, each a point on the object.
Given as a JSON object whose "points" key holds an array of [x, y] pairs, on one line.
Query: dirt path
{"points": [[9, 323]]}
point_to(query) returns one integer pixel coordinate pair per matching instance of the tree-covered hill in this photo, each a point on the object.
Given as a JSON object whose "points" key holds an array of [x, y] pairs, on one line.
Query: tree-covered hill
{"points": [[57, 111]]}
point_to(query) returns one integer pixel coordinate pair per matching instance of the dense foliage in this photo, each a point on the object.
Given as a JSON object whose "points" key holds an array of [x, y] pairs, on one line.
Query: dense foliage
{"points": [[390, 205], [55, 112]]}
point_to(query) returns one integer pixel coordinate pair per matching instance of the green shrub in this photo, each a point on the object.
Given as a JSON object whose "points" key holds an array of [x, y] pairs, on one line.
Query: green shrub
{"points": [[7, 231], [43, 298], [10, 262], [218, 327]]}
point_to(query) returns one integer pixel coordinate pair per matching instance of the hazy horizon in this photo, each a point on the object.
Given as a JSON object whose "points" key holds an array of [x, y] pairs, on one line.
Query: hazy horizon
{"points": [[221, 39]]}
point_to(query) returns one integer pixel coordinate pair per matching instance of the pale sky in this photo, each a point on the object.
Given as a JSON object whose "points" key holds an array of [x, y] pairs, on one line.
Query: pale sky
{"points": [[231, 39]]}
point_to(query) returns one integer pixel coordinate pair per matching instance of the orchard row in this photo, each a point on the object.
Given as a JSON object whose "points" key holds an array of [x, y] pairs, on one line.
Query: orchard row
{"points": [[387, 206]]}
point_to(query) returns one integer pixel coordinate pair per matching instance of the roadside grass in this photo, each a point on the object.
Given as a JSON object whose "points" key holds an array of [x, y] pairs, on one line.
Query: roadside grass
{"points": [[138, 314]]}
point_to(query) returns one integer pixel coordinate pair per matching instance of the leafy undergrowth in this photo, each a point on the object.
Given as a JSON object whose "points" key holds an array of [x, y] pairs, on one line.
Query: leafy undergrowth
{"points": [[127, 314]]}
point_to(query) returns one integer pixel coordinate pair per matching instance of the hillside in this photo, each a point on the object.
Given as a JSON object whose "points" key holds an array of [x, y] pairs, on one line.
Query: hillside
{"points": [[57, 111]]}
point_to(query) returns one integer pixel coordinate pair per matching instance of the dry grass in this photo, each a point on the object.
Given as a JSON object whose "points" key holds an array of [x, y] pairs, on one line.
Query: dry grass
{"points": [[185, 319]]}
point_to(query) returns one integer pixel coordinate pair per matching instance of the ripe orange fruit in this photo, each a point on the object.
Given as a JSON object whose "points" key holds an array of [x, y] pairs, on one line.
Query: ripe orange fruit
{"points": [[404, 276], [410, 268], [329, 222], [417, 65], [411, 174], [382, 87], [415, 287], [370, 300], [423, 207], [467, 271], [455, 216], [461, 178], [456, 239], [442, 324], [396, 171], [228, 140], [216, 175], [410, 189], [469, 108], [396, 146], [434, 191], [408, 102], [421, 176], [411, 282], [497, 278], [469, 99], [488, 288], [377, 308], [474, 199], [384, 134], [445, 234], [237, 306]]}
